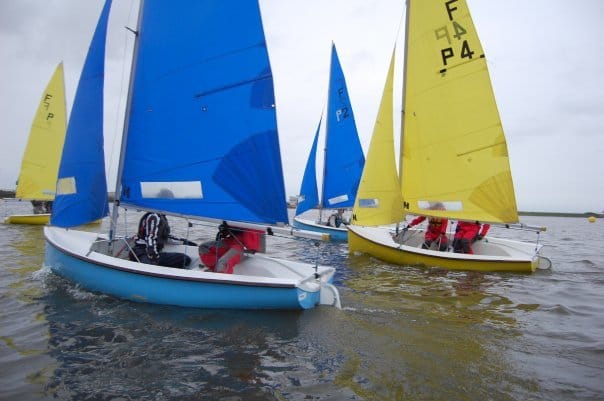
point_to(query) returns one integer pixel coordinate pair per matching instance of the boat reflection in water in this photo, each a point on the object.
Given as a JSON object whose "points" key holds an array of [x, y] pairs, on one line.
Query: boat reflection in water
{"points": [[428, 326]]}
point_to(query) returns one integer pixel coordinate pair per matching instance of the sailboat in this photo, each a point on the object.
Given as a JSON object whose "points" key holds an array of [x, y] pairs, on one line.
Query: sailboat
{"points": [[42, 155], [200, 141], [343, 162], [453, 152]]}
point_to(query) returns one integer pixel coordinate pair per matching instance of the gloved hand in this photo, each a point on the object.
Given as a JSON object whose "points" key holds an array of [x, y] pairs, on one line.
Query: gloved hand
{"points": [[223, 231], [478, 237], [153, 259]]}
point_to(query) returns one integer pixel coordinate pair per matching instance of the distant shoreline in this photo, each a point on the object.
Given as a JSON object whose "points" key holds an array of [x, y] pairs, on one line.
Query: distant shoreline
{"points": [[11, 194], [561, 214]]}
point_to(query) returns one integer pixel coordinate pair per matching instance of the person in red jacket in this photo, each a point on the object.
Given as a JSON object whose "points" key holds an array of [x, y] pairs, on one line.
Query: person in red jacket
{"points": [[436, 231], [466, 233], [222, 254]]}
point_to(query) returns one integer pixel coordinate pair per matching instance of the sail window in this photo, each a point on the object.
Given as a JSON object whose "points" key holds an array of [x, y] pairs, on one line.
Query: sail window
{"points": [[172, 190], [66, 186], [337, 199], [369, 203], [448, 205]]}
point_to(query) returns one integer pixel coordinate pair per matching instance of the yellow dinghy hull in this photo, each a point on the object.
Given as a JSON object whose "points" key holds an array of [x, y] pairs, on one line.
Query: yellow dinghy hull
{"points": [[35, 219], [492, 254], [32, 219]]}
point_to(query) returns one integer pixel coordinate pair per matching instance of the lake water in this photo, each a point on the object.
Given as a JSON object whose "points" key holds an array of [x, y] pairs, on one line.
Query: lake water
{"points": [[403, 334]]}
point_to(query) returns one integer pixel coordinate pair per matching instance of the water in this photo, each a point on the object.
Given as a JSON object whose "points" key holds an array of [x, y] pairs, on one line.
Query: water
{"points": [[403, 333]]}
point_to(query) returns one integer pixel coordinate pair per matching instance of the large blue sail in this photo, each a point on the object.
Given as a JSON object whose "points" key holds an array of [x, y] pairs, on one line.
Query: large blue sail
{"points": [[202, 134], [81, 195], [344, 158], [309, 194]]}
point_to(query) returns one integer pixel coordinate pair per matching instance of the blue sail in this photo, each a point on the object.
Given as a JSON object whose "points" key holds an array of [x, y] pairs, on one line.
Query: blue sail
{"points": [[344, 158], [309, 194], [81, 195], [202, 134]]}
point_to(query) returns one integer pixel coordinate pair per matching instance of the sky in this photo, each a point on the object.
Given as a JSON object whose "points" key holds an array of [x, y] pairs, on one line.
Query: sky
{"points": [[545, 58]]}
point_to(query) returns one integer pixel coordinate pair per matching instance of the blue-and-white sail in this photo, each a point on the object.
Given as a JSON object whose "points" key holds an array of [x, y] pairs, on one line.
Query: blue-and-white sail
{"points": [[202, 133], [344, 158], [81, 194], [309, 192]]}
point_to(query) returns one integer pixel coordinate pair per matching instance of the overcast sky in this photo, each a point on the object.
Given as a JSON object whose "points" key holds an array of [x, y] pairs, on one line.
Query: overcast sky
{"points": [[545, 57]]}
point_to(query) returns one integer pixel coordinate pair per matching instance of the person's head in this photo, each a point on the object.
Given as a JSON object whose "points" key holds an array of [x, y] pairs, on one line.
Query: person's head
{"points": [[163, 220], [340, 211], [437, 206], [165, 193]]}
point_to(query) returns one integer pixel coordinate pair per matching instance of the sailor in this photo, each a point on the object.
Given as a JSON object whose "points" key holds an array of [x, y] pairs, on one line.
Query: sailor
{"points": [[153, 234], [38, 207], [337, 219], [222, 254], [436, 230], [466, 233]]}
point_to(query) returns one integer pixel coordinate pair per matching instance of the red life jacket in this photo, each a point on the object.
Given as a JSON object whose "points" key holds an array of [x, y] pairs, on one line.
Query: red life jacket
{"points": [[223, 254]]}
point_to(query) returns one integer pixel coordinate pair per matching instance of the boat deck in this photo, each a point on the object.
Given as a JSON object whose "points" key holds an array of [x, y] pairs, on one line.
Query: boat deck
{"points": [[251, 265]]}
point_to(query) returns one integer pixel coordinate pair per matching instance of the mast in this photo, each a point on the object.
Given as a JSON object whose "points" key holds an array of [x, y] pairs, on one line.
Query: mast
{"points": [[406, 53], [322, 196], [118, 182], [400, 155]]}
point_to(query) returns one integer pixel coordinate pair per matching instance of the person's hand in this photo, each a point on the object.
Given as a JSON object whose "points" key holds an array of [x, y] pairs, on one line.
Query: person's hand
{"points": [[153, 258], [478, 237]]}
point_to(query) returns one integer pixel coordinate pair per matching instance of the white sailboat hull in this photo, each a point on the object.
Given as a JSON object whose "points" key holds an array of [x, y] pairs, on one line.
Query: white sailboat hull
{"points": [[259, 281], [335, 233], [490, 254]]}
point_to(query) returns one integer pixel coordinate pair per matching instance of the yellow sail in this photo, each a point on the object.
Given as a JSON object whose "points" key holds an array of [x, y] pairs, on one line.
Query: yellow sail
{"points": [[453, 147], [453, 151], [40, 164], [379, 199]]}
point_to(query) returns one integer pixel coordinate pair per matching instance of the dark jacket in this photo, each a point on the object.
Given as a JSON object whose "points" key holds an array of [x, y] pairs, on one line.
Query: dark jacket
{"points": [[153, 233]]}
